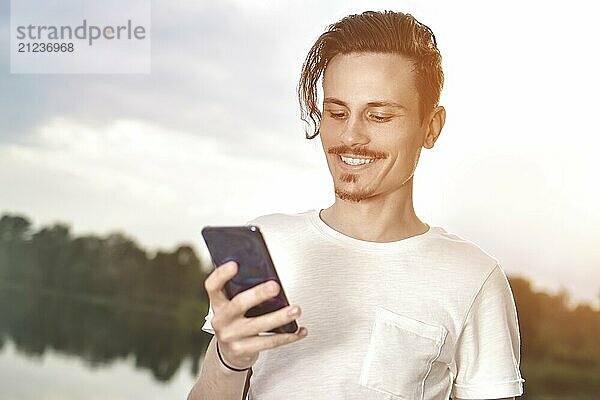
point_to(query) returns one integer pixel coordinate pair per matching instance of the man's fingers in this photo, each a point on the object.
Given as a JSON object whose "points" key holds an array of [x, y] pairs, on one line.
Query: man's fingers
{"points": [[256, 344], [215, 283], [252, 297], [266, 322]]}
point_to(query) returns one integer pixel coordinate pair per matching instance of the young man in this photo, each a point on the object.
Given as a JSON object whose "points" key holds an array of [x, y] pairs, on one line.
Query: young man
{"points": [[396, 309]]}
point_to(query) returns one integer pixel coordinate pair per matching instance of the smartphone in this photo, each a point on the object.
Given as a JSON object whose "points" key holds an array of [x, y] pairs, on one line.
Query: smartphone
{"points": [[246, 246]]}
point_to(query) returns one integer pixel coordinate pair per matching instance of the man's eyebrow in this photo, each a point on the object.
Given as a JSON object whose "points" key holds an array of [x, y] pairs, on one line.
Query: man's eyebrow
{"points": [[385, 104], [382, 103], [335, 101]]}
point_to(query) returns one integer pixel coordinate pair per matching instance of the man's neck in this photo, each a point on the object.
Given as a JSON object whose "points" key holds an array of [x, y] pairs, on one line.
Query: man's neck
{"points": [[376, 219]]}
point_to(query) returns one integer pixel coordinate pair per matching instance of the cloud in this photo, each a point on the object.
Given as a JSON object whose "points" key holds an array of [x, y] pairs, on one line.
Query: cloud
{"points": [[205, 80], [156, 183]]}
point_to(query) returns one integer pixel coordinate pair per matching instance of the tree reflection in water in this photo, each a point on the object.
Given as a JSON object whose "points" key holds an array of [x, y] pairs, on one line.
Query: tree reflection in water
{"points": [[101, 332]]}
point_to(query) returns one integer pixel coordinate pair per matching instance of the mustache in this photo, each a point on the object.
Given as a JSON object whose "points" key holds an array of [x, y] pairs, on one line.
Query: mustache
{"points": [[360, 152]]}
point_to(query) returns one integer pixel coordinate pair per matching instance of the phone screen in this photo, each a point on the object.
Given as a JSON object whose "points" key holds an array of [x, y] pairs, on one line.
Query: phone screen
{"points": [[245, 245]]}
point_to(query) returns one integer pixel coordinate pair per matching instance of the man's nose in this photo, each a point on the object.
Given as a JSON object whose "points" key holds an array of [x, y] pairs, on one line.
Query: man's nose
{"points": [[354, 133]]}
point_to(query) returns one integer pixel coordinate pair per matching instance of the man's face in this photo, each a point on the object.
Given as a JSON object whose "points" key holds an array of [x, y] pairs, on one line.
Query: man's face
{"points": [[370, 130]]}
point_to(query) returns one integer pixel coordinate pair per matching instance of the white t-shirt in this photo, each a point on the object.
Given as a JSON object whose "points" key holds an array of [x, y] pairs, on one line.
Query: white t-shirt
{"points": [[426, 317]]}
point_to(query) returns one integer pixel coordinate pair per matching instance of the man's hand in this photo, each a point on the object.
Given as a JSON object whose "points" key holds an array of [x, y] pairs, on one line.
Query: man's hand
{"points": [[237, 335]]}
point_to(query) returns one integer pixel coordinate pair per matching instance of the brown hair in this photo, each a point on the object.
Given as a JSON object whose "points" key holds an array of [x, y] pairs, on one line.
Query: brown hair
{"points": [[376, 32]]}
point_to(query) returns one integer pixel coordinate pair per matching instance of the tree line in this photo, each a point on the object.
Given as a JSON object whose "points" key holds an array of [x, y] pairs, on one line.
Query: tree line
{"points": [[104, 298], [114, 266], [100, 298]]}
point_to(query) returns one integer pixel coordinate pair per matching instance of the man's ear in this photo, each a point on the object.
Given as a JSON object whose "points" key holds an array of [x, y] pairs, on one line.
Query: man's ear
{"points": [[437, 119]]}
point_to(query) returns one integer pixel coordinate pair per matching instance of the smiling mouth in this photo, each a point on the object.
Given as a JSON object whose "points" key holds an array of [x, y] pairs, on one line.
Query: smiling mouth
{"points": [[356, 161]]}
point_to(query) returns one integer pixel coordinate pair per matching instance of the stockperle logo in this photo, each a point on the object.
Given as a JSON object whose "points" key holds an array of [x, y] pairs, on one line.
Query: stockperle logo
{"points": [[80, 36]]}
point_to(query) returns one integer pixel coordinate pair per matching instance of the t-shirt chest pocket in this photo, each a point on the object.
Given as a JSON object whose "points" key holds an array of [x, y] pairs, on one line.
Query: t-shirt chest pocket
{"points": [[400, 355]]}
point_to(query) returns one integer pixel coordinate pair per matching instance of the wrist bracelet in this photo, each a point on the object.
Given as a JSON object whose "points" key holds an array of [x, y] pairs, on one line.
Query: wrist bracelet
{"points": [[225, 364]]}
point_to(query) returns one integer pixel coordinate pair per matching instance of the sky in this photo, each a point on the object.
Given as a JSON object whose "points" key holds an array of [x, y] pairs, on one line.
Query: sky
{"points": [[212, 135]]}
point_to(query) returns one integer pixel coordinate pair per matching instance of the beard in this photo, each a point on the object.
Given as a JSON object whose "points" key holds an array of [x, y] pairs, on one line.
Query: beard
{"points": [[353, 196]]}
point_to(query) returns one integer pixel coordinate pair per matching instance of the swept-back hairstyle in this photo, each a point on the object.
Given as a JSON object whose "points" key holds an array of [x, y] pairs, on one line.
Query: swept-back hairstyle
{"points": [[374, 32]]}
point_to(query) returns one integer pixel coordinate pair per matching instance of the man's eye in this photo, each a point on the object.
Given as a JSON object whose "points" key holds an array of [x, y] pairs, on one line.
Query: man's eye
{"points": [[337, 114], [379, 117]]}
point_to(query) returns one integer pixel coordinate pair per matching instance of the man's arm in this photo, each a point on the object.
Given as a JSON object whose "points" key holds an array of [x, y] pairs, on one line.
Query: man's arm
{"points": [[238, 336], [218, 382]]}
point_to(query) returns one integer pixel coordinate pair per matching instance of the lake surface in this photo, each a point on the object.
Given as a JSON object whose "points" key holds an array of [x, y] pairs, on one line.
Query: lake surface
{"points": [[55, 376], [55, 347]]}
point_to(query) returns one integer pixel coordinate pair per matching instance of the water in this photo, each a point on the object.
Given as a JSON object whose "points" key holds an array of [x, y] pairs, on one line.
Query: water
{"points": [[54, 346], [55, 376]]}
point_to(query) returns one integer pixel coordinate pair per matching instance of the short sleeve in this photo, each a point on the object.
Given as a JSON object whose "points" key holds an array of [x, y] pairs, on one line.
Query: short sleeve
{"points": [[488, 348], [207, 327]]}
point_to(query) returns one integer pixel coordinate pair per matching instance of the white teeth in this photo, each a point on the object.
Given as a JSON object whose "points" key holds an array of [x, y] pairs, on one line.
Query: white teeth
{"points": [[356, 161]]}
